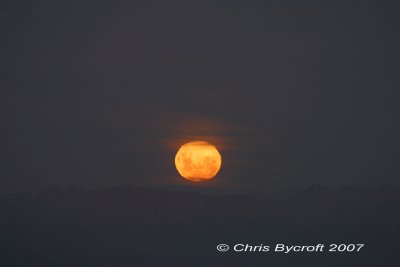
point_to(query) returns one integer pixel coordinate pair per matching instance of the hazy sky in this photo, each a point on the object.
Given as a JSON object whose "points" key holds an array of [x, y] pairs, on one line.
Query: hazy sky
{"points": [[292, 92]]}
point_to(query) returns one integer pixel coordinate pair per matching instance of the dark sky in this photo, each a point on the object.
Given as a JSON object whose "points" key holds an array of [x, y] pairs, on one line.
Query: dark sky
{"points": [[292, 92]]}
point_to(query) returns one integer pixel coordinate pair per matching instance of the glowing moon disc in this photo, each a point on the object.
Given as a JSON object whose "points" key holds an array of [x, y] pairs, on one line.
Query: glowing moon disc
{"points": [[198, 161]]}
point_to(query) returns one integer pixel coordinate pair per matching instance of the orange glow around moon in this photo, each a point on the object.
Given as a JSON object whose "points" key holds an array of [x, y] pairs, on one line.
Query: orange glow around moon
{"points": [[198, 161]]}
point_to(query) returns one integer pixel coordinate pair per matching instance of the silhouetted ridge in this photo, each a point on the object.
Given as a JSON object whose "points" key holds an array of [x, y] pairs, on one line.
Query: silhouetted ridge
{"points": [[127, 204]]}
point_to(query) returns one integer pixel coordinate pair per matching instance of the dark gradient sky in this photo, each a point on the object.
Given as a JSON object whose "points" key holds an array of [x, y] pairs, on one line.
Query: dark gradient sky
{"points": [[292, 92]]}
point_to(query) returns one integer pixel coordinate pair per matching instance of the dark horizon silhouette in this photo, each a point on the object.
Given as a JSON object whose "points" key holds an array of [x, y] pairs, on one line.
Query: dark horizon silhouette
{"points": [[125, 225], [148, 205]]}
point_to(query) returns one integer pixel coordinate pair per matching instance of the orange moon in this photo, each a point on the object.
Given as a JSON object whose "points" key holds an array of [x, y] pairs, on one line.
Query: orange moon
{"points": [[198, 161]]}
